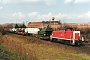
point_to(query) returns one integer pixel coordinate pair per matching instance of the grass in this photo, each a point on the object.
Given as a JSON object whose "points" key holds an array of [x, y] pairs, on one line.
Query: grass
{"points": [[12, 50], [37, 50], [45, 52], [7, 53]]}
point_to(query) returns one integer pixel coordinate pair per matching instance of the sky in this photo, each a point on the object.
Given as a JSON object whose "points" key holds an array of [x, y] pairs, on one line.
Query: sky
{"points": [[67, 11]]}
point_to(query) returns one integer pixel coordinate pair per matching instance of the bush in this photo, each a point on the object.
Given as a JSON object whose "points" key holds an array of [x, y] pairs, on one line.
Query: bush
{"points": [[2, 30], [85, 32]]}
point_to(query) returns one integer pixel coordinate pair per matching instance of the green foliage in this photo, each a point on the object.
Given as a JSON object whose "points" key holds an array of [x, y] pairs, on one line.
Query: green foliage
{"points": [[21, 26], [1, 28], [3, 32], [16, 26], [85, 32]]}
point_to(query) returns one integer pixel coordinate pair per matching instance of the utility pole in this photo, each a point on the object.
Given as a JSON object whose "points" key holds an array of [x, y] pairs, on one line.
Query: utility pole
{"points": [[16, 21], [53, 21], [27, 23]]}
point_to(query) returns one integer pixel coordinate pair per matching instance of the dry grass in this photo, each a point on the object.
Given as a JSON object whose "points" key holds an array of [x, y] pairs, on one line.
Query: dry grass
{"points": [[35, 49]]}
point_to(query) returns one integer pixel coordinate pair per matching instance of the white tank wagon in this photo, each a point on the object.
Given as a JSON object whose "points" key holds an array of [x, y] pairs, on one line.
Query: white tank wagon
{"points": [[31, 31]]}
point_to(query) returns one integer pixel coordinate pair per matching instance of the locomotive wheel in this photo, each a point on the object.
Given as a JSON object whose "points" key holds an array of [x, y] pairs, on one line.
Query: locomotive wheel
{"points": [[71, 42], [54, 40], [62, 41]]}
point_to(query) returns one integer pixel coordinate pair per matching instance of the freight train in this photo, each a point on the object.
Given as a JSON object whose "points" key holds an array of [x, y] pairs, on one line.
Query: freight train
{"points": [[64, 35]]}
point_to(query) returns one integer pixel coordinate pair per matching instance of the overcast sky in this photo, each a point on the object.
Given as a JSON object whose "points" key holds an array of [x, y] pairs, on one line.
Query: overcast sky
{"points": [[68, 11]]}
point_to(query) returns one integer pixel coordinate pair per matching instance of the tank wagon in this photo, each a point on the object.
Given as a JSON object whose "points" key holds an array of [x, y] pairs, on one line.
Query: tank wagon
{"points": [[67, 35], [31, 31]]}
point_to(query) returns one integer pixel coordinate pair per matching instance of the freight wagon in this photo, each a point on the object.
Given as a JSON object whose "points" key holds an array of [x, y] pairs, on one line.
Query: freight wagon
{"points": [[45, 33], [31, 31]]}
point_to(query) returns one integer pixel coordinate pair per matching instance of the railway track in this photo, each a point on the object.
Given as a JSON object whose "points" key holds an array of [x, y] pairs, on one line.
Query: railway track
{"points": [[85, 48]]}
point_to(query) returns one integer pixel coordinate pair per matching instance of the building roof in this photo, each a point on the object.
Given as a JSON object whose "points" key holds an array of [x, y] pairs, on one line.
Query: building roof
{"points": [[47, 22], [35, 23]]}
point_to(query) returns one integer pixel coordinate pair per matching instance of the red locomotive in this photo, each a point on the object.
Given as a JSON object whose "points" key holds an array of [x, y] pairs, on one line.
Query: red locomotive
{"points": [[68, 35]]}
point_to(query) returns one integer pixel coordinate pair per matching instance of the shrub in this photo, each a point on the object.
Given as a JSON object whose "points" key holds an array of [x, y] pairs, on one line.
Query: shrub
{"points": [[2, 30]]}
